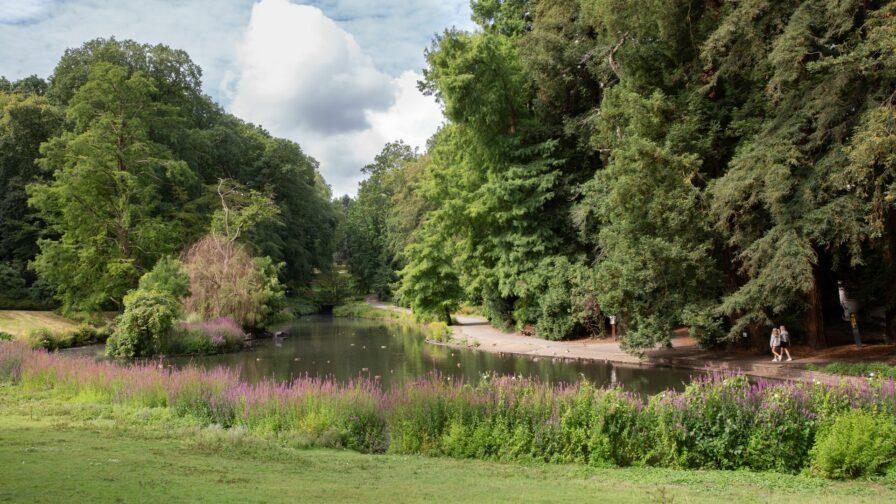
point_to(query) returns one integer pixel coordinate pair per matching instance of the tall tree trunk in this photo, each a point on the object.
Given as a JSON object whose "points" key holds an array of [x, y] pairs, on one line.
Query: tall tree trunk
{"points": [[447, 315], [758, 338], [890, 275], [814, 318]]}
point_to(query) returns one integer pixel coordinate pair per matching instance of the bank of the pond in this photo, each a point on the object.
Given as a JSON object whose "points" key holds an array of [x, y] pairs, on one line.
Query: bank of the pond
{"points": [[716, 423], [475, 331], [54, 450], [432, 330]]}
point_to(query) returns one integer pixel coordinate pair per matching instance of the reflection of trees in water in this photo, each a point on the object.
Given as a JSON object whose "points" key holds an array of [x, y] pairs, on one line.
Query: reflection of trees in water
{"points": [[351, 346]]}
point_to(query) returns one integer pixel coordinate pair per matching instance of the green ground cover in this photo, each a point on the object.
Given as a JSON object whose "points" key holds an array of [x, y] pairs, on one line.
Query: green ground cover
{"points": [[867, 369], [433, 330], [21, 322], [56, 450]]}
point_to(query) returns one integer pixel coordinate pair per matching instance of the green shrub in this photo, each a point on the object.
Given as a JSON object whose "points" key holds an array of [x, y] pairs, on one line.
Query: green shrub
{"points": [[42, 338], [168, 277], [147, 320], [856, 444], [6, 336], [868, 369], [188, 341]]}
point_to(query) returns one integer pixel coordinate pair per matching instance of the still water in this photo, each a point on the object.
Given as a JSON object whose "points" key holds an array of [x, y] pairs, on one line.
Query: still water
{"points": [[348, 348]]}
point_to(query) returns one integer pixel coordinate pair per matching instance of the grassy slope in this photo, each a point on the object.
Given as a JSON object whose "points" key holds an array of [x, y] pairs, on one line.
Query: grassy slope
{"points": [[58, 451], [20, 322]]}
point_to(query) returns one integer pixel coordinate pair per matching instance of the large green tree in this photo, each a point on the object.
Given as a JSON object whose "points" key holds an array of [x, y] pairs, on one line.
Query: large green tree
{"points": [[114, 194]]}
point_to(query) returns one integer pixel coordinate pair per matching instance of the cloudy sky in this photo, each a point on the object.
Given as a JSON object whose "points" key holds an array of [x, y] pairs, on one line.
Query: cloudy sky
{"points": [[337, 76]]}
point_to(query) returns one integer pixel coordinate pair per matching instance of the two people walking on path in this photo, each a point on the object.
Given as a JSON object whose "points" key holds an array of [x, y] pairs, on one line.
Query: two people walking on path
{"points": [[780, 343]]}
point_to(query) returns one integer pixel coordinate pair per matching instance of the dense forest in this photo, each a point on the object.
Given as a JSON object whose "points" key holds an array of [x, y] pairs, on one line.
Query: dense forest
{"points": [[718, 165], [721, 166], [118, 161]]}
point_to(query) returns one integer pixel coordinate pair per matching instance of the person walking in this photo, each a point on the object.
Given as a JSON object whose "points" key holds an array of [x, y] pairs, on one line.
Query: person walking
{"points": [[785, 344], [775, 343]]}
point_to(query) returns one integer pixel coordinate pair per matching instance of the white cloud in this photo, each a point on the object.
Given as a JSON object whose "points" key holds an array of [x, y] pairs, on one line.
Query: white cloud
{"points": [[22, 11], [365, 95], [203, 28], [302, 76]]}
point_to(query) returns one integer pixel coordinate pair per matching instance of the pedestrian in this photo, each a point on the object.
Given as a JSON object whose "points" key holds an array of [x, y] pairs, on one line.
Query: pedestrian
{"points": [[785, 344], [775, 343]]}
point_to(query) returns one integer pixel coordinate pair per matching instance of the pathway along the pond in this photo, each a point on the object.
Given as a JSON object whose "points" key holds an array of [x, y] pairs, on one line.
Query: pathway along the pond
{"points": [[477, 332]]}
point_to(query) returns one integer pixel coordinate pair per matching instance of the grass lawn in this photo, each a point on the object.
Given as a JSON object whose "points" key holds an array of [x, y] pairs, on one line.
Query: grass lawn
{"points": [[867, 369], [78, 451], [20, 322]]}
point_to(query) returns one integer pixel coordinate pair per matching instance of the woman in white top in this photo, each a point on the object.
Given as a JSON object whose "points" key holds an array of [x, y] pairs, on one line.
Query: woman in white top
{"points": [[785, 344], [775, 343]]}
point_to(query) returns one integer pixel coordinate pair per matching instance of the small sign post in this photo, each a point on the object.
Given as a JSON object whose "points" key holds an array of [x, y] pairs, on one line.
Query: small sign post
{"points": [[613, 326]]}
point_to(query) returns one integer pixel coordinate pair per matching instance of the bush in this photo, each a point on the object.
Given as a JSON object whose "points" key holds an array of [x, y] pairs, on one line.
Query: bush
{"points": [[47, 339], [16, 294], [148, 319], [42, 338], [225, 281], [854, 445], [868, 369], [6, 336], [207, 337], [168, 277]]}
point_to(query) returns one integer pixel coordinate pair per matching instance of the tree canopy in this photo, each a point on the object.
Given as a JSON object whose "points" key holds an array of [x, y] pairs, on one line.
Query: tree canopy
{"points": [[115, 162], [716, 165]]}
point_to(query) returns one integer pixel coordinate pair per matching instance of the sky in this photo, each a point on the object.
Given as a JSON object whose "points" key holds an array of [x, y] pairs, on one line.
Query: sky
{"points": [[337, 76]]}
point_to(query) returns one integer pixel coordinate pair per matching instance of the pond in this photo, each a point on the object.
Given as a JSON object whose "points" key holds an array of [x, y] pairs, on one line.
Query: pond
{"points": [[348, 348]]}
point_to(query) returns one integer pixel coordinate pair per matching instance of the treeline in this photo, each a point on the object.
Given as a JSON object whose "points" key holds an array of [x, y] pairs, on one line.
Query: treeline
{"points": [[118, 160], [719, 165]]}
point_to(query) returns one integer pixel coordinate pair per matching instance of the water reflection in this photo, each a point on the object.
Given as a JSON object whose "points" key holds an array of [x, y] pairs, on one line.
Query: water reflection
{"points": [[347, 348]]}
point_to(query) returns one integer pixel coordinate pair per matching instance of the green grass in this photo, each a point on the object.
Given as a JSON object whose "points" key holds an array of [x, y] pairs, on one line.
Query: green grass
{"points": [[20, 322], [433, 330], [867, 369], [55, 450]]}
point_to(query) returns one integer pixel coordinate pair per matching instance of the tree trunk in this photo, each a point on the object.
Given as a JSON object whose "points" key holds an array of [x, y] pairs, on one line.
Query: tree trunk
{"points": [[814, 318], [757, 337], [447, 315], [890, 275]]}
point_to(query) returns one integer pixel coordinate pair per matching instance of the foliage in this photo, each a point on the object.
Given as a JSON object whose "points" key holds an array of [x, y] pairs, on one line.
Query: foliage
{"points": [[208, 337], [129, 155], [367, 237], [167, 276], [434, 330], [856, 444], [717, 422], [242, 209], [107, 201], [330, 288], [26, 121], [157, 436], [225, 281], [429, 284], [716, 165], [866, 369], [147, 321]]}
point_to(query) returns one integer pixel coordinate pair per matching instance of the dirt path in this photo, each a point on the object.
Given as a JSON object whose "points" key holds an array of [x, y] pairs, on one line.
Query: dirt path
{"points": [[477, 332]]}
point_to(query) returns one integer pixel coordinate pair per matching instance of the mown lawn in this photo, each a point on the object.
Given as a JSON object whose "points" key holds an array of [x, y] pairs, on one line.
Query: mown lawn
{"points": [[79, 451], [20, 322]]}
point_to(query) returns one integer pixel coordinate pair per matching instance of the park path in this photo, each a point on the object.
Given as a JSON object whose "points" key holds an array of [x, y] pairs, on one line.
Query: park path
{"points": [[477, 332]]}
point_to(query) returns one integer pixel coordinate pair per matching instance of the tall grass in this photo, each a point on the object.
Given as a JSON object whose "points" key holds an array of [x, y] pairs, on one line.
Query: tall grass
{"points": [[718, 422]]}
